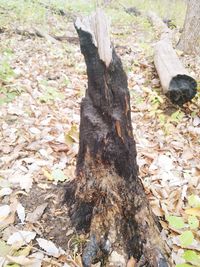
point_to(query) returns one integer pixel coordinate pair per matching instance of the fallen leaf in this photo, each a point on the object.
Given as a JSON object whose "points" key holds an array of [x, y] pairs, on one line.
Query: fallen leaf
{"points": [[22, 260], [38, 257], [5, 191], [193, 211], [4, 249], [21, 212], [21, 237], [59, 147], [176, 222], [34, 130], [47, 175], [9, 220], [49, 247], [78, 260], [193, 222], [58, 175], [26, 182], [24, 251], [194, 201], [187, 154], [131, 262], [12, 265], [165, 163], [157, 210], [4, 212], [186, 238], [196, 121], [35, 216]]}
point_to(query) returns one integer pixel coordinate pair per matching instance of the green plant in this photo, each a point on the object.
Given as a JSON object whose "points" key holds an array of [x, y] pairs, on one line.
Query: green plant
{"points": [[7, 74], [165, 121], [156, 102], [188, 225], [76, 244], [7, 95], [76, 6], [177, 116], [23, 11], [138, 99]]}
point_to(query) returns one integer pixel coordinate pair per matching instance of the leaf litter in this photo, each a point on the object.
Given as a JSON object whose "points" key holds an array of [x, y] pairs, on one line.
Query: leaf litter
{"points": [[39, 143]]}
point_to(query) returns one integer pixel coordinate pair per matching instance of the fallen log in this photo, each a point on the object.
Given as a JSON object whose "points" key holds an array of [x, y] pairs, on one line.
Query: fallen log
{"points": [[42, 34], [176, 82], [107, 199]]}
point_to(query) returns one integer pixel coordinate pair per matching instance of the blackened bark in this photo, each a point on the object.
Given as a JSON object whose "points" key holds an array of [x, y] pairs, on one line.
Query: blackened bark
{"points": [[176, 82], [107, 198]]}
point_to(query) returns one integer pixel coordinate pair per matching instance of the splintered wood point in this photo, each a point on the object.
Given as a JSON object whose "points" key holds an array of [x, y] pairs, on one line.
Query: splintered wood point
{"points": [[98, 26]]}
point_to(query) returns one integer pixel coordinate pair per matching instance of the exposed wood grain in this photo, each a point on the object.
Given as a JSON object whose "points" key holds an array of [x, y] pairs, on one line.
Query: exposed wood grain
{"points": [[98, 26], [107, 198], [176, 82]]}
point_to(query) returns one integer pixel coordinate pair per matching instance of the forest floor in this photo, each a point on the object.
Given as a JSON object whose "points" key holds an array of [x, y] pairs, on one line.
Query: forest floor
{"points": [[42, 82]]}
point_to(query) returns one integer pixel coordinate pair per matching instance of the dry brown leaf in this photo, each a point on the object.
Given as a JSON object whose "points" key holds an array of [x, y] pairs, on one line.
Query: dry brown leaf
{"points": [[157, 210], [187, 154], [35, 216], [22, 260], [59, 147], [78, 260], [131, 262], [193, 211]]}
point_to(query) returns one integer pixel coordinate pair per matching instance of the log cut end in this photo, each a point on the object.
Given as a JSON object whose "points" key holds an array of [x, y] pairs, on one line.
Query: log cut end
{"points": [[182, 88], [178, 86]]}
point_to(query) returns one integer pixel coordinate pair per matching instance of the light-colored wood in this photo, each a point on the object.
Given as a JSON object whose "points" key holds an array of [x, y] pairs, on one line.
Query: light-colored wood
{"points": [[160, 26], [98, 26], [167, 63], [166, 60]]}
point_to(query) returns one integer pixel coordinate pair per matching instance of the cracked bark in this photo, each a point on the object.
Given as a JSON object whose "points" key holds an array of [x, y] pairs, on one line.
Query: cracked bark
{"points": [[107, 198], [190, 37]]}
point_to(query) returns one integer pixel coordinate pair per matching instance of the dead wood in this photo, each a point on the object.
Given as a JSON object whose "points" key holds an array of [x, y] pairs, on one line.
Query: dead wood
{"points": [[107, 199], [170, 23], [36, 32], [42, 34], [176, 82], [133, 11]]}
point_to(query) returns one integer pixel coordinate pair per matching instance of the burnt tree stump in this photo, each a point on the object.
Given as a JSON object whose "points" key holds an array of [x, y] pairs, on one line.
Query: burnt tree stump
{"points": [[176, 82], [107, 199]]}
